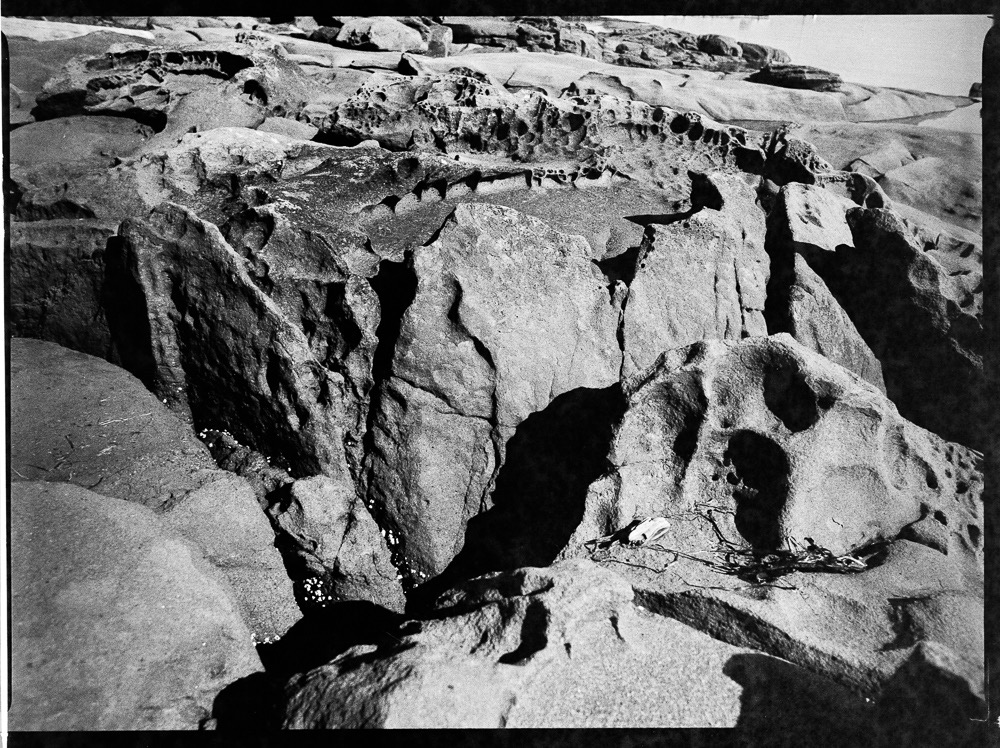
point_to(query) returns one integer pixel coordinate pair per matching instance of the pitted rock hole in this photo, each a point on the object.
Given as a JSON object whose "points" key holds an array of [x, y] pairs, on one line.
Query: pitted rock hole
{"points": [[759, 472], [790, 398]]}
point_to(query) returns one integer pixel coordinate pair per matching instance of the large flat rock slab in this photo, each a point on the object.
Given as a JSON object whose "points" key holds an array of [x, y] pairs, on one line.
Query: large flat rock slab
{"points": [[116, 622], [77, 418]]}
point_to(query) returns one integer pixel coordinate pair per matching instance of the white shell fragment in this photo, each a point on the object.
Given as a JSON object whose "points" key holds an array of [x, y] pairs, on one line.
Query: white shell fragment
{"points": [[648, 530]]}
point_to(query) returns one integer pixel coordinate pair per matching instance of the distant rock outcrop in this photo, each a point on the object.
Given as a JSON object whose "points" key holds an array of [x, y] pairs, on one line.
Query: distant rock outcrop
{"points": [[797, 76]]}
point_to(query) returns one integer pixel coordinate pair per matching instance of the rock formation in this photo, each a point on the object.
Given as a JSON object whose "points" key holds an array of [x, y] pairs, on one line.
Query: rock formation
{"points": [[489, 372]]}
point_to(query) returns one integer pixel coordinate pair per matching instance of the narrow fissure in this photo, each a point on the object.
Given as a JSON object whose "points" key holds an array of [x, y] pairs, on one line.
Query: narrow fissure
{"points": [[395, 284]]}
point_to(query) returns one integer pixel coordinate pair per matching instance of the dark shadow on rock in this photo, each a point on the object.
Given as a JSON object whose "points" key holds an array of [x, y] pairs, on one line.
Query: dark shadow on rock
{"points": [[534, 635], [251, 703], [759, 471], [323, 634], [927, 703], [784, 704], [538, 500], [248, 704]]}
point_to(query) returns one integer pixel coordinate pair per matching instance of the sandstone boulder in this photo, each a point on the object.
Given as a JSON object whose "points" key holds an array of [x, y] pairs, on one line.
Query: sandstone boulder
{"points": [[766, 431], [169, 330], [760, 55], [782, 457], [715, 44], [479, 350], [71, 426], [336, 548], [911, 310], [116, 622], [33, 62], [62, 149], [378, 34], [700, 277], [797, 76], [76, 418], [177, 90], [940, 188], [807, 220]]}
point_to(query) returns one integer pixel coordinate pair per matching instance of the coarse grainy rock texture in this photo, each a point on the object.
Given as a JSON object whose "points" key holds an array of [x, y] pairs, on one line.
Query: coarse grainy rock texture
{"points": [[197, 86], [378, 34], [699, 277], [62, 149], [524, 649], [787, 444], [78, 419], [807, 220], [759, 446], [910, 307], [131, 629], [57, 282], [172, 340], [480, 348], [492, 371], [33, 61], [336, 546]]}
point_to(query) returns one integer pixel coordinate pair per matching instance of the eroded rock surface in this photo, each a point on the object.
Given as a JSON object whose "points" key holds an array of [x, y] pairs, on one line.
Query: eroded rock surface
{"points": [[78, 419], [523, 649], [447, 297], [480, 349], [131, 630]]}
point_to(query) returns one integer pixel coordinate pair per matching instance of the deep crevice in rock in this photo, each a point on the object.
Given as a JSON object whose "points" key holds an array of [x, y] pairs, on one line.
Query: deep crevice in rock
{"points": [[538, 497], [395, 284]]}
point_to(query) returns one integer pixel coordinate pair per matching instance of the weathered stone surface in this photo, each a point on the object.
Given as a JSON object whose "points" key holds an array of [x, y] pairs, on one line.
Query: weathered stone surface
{"points": [[764, 444], [116, 623], [957, 250], [32, 63], [169, 330], [702, 276], [174, 90], [932, 699], [911, 311], [378, 34], [57, 282], [815, 319], [457, 114], [49, 31], [940, 188], [288, 127], [76, 418], [797, 76], [479, 350], [60, 150], [545, 648], [808, 220], [728, 99], [760, 55], [791, 444], [337, 548], [224, 520], [878, 162], [871, 103], [715, 44]]}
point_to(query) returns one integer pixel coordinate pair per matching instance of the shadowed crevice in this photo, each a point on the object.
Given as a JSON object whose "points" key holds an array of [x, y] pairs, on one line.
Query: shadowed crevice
{"points": [[539, 495]]}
